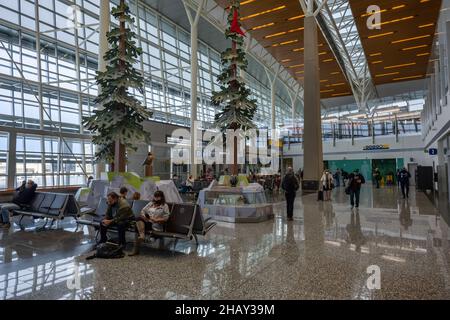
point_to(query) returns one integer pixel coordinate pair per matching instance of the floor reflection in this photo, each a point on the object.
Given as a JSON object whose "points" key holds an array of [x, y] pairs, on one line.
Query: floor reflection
{"points": [[323, 254]]}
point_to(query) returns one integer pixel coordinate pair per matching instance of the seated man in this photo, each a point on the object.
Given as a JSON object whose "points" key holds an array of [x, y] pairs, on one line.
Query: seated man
{"points": [[23, 196], [119, 214]]}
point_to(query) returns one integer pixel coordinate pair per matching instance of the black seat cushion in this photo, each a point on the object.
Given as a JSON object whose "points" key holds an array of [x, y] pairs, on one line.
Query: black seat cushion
{"points": [[137, 207], [36, 202], [58, 205], [46, 203], [180, 218]]}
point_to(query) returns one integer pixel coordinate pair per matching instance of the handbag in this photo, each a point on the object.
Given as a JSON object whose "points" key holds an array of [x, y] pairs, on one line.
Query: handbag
{"points": [[348, 191]]}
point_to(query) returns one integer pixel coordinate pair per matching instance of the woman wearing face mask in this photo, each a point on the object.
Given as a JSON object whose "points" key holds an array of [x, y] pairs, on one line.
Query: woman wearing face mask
{"points": [[153, 216]]}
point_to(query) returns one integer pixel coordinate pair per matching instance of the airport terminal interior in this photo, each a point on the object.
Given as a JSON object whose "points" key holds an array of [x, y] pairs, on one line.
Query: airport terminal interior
{"points": [[224, 149]]}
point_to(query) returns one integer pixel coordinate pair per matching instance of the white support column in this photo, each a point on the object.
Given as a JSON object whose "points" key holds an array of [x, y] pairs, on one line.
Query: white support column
{"points": [[11, 160], [39, 65], [193, 21], [247, 49], [272, 82], [294, 97], [103, 47], [437, 86]]}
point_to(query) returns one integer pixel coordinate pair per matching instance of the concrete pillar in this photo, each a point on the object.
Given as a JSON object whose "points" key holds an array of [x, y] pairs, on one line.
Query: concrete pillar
{"points": [[194, 95], [312, 137], [103, 47], [441, 155]]}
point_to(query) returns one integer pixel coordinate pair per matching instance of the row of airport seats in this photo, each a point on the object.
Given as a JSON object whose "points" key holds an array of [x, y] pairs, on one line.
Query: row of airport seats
{"points": [[185, 221], [54, 206]]}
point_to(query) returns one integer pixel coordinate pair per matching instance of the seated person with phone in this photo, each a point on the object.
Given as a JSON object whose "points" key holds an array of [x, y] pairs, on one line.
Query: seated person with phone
{"points": [[153, 216]]}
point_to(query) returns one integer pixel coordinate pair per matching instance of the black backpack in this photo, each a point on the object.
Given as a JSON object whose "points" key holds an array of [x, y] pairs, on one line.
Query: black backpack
{"points": [[108, 250]]}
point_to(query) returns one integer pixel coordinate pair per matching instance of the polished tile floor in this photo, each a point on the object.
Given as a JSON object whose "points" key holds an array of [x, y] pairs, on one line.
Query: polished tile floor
{"points": [[324, 253]]}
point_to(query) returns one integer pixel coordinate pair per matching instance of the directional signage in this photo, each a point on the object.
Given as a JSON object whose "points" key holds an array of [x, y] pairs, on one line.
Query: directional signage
{"points": [[432, 152], [377, 147]]}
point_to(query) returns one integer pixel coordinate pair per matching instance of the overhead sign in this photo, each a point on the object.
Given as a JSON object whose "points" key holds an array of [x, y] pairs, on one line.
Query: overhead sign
{"points": [[377, 147], [432, 152]]}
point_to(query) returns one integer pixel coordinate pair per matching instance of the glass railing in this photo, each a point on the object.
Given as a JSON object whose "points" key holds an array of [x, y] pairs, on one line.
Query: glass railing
{"points": [[358, 129]]}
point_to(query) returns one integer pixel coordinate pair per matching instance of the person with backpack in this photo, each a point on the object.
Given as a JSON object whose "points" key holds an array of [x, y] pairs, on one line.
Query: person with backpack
{"points": [[23, 196], [354, 187], [404, 182], [327, 185], [118, 214], [290, 186]]}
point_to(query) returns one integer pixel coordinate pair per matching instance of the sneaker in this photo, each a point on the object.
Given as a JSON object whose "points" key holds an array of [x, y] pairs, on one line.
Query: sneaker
{"points": [[290, 219], [6, 225]]}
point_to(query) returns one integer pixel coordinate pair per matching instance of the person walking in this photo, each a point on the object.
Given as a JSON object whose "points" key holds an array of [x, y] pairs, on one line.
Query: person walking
{"points": [[327, 185], [398, 178], [404, 182], [377, 176], [355, 180], [338, 174], [290, 186]]}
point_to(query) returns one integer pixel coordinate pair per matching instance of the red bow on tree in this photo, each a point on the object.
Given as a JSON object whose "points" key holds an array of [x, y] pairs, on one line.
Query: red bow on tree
{"points": [[235, 27]]}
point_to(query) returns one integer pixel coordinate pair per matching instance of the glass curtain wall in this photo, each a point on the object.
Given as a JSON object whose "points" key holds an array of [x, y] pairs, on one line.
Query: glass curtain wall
{"points": [[52, 146]]}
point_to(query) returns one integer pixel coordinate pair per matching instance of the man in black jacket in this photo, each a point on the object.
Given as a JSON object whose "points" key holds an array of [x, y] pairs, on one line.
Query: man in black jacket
{"points": [[404, 182], [290, 186], [24, 195], [354, 187]]}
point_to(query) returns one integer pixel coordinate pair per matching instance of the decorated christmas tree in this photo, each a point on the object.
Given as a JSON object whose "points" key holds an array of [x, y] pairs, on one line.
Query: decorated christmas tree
{"points": [[237, 109], [117, 122]]}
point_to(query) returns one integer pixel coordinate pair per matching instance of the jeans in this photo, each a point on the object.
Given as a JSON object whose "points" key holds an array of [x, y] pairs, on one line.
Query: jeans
{"points": [[121, 229], [354, 194], [338, 182], [6, 207], [290, 198]]}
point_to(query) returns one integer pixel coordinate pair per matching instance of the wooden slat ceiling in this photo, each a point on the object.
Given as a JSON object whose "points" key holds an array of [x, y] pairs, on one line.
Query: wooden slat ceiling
{"points": [[278, 26], [400, 55], [400, 50]]}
